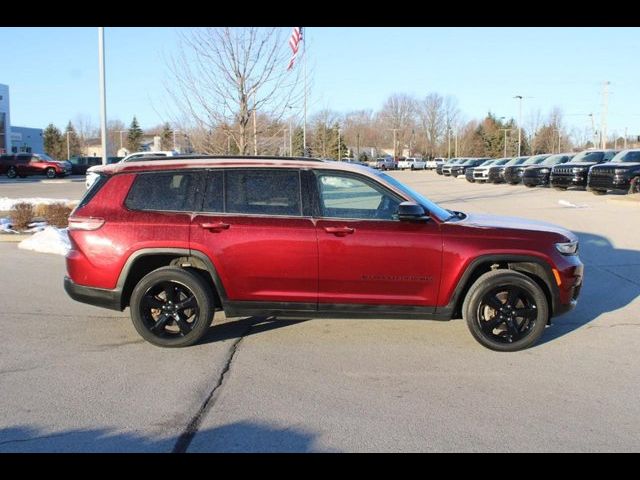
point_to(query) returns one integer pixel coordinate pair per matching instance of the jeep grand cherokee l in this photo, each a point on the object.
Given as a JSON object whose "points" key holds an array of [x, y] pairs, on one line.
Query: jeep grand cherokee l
{"points": [[621, 174], [179, 239], [513, 174], [575, 172], [539, 174]]}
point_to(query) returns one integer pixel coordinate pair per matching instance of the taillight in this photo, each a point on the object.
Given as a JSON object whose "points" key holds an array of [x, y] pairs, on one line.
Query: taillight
{"points": [[85, 223]]}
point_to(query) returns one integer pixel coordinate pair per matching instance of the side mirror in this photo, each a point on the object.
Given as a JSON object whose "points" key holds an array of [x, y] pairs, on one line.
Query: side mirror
{"points": [[409, 211]]}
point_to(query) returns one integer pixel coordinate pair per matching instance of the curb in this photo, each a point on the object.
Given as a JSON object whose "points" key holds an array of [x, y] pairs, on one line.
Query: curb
{"points": [[13, 237]]}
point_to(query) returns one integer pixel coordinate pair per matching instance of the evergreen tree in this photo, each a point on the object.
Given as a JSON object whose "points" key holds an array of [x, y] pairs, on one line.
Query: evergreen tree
{"points": [[166, 138], [134, 136], [298, 142], [54, 145], [71, 136]]}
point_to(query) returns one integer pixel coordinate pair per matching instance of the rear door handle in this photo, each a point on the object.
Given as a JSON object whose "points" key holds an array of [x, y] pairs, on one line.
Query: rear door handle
{"points": [[340, 231], [215, 227]]}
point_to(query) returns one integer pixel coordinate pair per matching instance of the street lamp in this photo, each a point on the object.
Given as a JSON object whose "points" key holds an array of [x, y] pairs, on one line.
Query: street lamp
{"points": [[68, 146], [505, 130], [519, 97]]}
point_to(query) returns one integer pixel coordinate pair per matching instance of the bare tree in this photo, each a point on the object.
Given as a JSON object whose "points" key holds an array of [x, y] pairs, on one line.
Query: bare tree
{"points": [[432, 121], [453, 122], [85, 129], [224, 74], [398, 116]]}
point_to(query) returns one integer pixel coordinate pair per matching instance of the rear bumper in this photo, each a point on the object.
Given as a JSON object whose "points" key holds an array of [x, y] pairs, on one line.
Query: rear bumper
{"points": [[98, 297]]}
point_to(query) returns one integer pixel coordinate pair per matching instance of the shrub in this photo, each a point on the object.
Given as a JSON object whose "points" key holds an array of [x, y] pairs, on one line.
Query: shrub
{"points": [[21, 215], [57, 214]]}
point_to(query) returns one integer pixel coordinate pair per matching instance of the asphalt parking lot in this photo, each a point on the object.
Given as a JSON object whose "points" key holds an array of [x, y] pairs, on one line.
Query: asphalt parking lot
{"points": [[76, 378]]}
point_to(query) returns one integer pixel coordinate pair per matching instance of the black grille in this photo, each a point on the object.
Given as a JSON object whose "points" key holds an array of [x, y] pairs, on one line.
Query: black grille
{"points": [[601, 181], [602, 171]]}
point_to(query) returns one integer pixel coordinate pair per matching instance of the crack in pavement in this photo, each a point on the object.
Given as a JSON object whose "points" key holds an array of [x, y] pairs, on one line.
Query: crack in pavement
{"points": [[21, 440], [617, 275], [185, 439]]}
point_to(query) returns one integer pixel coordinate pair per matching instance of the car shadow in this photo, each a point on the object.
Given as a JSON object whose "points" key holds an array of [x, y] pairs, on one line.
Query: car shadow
{"points": [[611, 282], [232, 329]]}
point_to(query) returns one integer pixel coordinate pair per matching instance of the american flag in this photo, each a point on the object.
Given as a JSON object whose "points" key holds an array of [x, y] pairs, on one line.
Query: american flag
{"points": [[294, 43]]}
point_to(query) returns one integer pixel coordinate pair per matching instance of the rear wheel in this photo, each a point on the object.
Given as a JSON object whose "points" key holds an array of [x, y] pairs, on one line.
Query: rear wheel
{"points": [[506, 310], [634, 186], [172, 307], [50, 173], [12, 172]]}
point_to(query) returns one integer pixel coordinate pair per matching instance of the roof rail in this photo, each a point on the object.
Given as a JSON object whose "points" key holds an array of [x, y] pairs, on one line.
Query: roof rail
{"points": [[240, 157]]}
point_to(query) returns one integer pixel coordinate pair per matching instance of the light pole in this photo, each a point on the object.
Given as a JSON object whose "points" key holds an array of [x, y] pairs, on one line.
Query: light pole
{"points": [[103, 95], [121, 132], [68, 146], [449, 142], [505, 130], [339, 149], [593, 130], [519, 97]]}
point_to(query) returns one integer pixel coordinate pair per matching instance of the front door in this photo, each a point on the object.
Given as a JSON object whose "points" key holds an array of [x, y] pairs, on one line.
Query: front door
{"points": [[368, 256], [254, 229]]}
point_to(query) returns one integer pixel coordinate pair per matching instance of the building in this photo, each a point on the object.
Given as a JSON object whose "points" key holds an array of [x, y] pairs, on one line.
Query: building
{"points": [[16, 139]]}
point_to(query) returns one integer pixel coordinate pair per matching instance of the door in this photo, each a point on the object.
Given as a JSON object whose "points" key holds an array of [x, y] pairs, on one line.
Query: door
{"points": [[254, 229], [367, 255]]}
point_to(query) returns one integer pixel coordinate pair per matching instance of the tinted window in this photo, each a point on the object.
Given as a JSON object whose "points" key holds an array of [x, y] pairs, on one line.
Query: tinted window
{"points": [[266, 192], [162, 191], [214, 196], [627, 156], [343, 196], [587, 156]]}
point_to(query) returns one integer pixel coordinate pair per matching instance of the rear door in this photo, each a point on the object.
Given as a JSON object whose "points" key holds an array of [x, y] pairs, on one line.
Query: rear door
{"points": [[257, 230]]}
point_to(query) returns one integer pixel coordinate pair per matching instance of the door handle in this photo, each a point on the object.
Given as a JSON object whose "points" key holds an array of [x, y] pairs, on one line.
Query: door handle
{"points": [[340, 231], [215, 227]]}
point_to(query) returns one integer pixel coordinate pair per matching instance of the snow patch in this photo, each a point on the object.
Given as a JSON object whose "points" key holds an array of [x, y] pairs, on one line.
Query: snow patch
{"points": [[50, 240], [565, 203]]}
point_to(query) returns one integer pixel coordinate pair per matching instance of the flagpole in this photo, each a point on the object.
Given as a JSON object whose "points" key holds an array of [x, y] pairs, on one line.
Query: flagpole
{"points": [[304, 129]]}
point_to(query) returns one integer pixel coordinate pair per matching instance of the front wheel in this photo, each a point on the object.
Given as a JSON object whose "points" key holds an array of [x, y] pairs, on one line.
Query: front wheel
{"points": [[172, 307], [12, 172], [559, 188], [50, 173], [506, 311]]}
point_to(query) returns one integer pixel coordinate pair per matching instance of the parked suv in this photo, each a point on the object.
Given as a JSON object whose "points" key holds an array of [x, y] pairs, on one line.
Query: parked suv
{"points": [[177, 240], [575, 172], [132, 157], [496, 173], [433, 164], [539, 174], [513, 173], [25, 164], [412, 163], [621, 174], [481, 173], [460, 169]]}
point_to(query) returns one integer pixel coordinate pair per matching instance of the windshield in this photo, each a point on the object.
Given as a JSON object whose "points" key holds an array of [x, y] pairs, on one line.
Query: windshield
{"points": [[588, 156], [627, 156], [535, 160], [487, 163], [554, 159], [45, 157], [515, 161], [431, 207]]}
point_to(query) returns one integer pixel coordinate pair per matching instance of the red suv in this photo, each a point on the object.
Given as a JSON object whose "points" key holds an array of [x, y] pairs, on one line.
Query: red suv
{"points": [[24, 164], [179, 239]]}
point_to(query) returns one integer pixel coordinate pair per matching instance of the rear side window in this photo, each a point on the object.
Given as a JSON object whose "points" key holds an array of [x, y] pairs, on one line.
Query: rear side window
{"points": [[93, 189], [266, 192], [173, 192]]}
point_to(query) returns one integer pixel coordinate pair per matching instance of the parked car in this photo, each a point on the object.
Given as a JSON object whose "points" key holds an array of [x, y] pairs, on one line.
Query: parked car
{"points": [[460, 169], [575, 173], [496, 173], [412, 163], [622, 174], [132, 157], [176, 242], [481, 173], [434, 163], [513, 173], [441, 165], [80, 165], [539, 174], [446, 168], [469, 173], [26, 164], [386, 163]]}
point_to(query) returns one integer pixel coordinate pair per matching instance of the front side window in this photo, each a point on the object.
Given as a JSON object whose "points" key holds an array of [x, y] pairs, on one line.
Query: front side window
{"points": [[163, 191], [344, 196], [263, 192]]}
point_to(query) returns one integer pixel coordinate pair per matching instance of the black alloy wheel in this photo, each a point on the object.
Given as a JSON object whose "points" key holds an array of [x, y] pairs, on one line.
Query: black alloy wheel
{"points": [[172, 307], [506, 310]]}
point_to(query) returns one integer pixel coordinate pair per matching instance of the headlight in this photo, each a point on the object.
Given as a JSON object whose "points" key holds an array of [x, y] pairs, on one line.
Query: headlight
{"points": [[578, 170], [569, 248], [544, 170]]}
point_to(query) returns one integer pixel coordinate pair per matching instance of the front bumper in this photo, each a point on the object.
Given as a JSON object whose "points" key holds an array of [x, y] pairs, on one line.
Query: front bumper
{"points": [[99, 297], [575, 180], [536, 179]]}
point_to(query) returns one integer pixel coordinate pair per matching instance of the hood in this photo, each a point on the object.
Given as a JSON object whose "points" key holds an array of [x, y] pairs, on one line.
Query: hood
{"points": [[618, 165], [535, 168], [578, 164], [479, 220]]}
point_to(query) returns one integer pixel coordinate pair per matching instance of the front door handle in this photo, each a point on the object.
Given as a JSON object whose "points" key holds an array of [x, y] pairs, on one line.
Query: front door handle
{"points": [[340, 231], [215, 227]]}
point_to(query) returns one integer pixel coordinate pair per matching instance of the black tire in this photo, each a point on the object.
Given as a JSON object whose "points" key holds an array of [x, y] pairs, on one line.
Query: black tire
{"points": [[501, 295], [155, 307], [634, 185], [50, 173], [560, 188], [12, 172], [599, 192]]}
